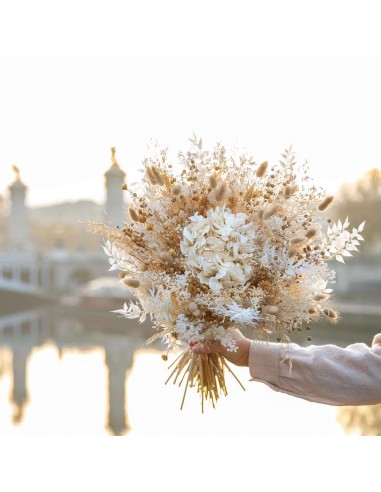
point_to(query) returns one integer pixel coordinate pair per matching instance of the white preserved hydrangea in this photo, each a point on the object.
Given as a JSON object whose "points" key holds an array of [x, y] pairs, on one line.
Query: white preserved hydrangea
{"points": [[216, 247]]}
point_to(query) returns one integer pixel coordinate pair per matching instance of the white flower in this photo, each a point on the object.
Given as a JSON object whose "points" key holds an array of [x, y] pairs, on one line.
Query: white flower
{"points": [[238, 314], [339, 241], [218, 333], [117, 259], [158, 303], [216, 247], [187, 330], [131, 312]]}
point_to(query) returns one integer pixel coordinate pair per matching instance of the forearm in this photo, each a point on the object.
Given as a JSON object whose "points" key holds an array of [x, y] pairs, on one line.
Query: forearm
{"points": [[324, 374]]}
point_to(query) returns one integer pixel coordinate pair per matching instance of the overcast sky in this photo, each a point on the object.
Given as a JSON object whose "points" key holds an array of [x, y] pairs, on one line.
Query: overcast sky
{"points": [[59, 116]]}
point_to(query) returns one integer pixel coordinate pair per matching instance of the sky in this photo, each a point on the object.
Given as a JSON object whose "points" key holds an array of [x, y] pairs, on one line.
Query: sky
{"points": [[60, 115]]}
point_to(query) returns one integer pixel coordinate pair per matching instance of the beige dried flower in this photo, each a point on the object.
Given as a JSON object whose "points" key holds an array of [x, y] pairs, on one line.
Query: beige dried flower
{"points": [[192, 306], [270, 309], [325, 203], [321, 297], [150, 175], [158, 176], [213, 182], [269, 212], [297, 240], [166, 257], [249, 193], [176, 190], [220, 192], [131, 282], [291, 253], [330, 313], [261, 171], [310, 233], [289, 190], [133, 214], [260, 213]]}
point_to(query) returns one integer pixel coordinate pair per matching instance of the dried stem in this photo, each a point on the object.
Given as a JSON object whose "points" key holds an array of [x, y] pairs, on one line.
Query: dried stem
{"points": [[203, 371]]}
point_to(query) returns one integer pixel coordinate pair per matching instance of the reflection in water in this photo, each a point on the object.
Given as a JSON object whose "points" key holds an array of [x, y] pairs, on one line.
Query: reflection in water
{"points": [[74, 372], [25, 333], [364, 420]]}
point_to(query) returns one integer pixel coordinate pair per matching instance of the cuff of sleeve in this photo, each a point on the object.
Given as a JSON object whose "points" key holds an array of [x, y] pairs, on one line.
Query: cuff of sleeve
{"points": [[264, 360]]}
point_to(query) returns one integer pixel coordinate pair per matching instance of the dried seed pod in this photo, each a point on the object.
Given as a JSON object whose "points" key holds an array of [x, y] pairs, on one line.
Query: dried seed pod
{"points": [[192, 306], [131, 282], [321, 297], [220, 192], [249, 193], [330, 313], [166, 257], [133, 214], [158, 176], [212, 197], [311, 233], [261, 169], [176, 190], [288, 191], [312, 311], [270, 309], [150, 175], [213, 182], [325, 203], [297, 240], [291, 253], [124, 187], [260, 213], [270, 212]]}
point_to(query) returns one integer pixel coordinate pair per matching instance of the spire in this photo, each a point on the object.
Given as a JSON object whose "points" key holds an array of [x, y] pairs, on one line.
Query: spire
{"points": [[113, 158], [17, 183], [16, 170], [114, 169], [19, 238], [114, 179]]}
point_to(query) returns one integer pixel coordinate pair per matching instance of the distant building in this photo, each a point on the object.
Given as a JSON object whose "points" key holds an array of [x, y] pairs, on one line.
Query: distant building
{"points": [[19, 237], [114, 179], [55, 252]]}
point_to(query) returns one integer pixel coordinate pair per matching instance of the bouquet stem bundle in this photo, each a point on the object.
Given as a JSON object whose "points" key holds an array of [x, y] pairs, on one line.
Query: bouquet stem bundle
{"points": [[206, 372]]}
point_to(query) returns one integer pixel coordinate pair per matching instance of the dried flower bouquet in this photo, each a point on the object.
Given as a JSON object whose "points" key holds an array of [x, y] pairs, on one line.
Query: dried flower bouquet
{"points": [[225, 242]]}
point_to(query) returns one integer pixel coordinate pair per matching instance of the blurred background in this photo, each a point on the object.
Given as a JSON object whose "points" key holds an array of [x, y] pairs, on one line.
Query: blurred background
{"points": [[74, 129]]}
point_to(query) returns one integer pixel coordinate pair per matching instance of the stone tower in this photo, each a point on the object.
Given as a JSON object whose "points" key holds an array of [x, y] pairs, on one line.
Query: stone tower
{"points": [[114, 179], [19, 238]]}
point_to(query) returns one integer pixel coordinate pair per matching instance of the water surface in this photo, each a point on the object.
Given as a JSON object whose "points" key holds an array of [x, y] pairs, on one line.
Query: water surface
{"points": [[71, 372]]}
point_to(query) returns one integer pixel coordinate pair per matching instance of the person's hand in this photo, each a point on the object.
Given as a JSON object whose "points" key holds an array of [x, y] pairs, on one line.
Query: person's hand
{"points": [[239, 358]]}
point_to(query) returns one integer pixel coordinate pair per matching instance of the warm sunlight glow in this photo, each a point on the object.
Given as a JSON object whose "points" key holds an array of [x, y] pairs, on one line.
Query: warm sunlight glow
{"points": [[60, 116]]}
